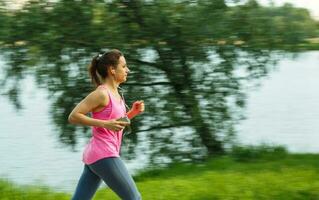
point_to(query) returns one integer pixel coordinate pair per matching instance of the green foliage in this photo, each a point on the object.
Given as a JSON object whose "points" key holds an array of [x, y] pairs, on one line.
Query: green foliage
{"points": [[272, 27], [251, 153]]}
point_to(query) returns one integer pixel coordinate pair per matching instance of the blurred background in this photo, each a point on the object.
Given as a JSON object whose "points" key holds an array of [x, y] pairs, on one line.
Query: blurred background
{"points": [[213, 74]]}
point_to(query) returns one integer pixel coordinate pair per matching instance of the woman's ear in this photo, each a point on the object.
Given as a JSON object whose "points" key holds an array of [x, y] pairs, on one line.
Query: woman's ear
{"points": [[112, 70]]}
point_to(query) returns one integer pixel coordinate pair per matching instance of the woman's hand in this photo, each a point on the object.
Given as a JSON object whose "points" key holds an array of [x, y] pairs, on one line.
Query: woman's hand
{"points": [[138, 107], [115, 125]]}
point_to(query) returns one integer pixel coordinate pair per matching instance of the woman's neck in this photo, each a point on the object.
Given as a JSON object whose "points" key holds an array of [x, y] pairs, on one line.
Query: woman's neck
{"points": [[111, 85]]}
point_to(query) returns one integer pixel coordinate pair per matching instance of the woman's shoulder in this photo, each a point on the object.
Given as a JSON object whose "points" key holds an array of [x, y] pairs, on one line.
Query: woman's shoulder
{"points": [[101, 92], [99, 96]]}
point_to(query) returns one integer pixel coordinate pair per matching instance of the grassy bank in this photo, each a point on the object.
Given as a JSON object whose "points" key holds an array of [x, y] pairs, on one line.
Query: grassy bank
{"points": [[281, 176], [9, 191]]}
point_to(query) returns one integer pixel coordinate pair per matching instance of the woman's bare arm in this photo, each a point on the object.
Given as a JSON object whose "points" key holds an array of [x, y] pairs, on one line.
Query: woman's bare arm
{"points": [[94, 100]]}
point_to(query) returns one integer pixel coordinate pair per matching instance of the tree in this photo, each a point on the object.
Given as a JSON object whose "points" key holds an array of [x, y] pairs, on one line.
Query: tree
{"points": [[184, 56]]}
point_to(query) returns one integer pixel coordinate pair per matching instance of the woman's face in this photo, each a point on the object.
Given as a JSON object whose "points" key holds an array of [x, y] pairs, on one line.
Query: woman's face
{"points": [[121, 71]]}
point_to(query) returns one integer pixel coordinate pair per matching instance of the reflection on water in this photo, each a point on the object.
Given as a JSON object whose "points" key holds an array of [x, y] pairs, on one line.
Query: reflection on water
{"points": [[282, 111]]}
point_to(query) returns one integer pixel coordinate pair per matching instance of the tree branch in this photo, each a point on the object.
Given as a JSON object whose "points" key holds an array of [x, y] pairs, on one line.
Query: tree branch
{"points": [[148, 84], [144, 62], [165, 127]]}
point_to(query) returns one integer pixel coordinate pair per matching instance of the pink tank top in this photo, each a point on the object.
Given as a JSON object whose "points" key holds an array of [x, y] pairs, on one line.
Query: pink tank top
{"points": [[104, 142]]}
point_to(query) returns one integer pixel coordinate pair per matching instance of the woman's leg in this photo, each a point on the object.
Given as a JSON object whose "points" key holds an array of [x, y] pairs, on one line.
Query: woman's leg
{"points": [[87, 185], [115, 175]]}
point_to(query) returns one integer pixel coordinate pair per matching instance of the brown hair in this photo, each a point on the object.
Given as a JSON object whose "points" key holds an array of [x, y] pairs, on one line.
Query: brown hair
{"points": [[101, 62]]}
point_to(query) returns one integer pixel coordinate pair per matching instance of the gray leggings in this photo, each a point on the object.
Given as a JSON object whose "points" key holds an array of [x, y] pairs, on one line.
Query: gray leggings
{"points": [[113, 172]]}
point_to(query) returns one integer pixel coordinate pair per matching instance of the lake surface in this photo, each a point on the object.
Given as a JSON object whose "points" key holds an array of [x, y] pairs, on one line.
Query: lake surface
{"points": [[283, 110]]}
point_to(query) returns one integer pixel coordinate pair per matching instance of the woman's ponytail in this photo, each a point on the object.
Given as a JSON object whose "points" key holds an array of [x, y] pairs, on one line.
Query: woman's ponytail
{"points": [[93, 71]]}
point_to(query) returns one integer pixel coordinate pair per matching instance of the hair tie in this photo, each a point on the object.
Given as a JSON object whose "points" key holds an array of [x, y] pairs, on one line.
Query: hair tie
{"points": [[99, 56]]}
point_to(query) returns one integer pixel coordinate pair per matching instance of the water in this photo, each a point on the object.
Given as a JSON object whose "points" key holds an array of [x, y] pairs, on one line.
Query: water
{"points": [[283, 110]]}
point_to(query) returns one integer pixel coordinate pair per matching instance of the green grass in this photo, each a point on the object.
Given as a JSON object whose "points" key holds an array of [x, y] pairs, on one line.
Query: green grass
{"points": [[269, 176], [9, 191]]}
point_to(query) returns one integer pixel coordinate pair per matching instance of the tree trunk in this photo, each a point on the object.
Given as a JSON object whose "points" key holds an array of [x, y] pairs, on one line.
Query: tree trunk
{"points": [[186, 97]]}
